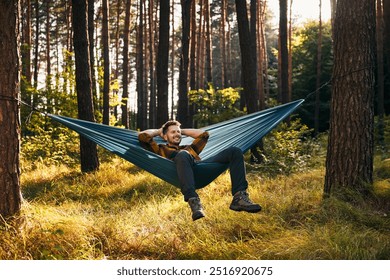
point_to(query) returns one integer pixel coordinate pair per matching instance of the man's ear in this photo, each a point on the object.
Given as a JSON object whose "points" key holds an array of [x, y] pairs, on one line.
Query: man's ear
{"points": [[165, 137]]}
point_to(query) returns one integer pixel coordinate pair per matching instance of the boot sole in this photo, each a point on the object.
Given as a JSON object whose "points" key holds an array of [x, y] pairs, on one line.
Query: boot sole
{"points": [[249, 210], [197, 216]]}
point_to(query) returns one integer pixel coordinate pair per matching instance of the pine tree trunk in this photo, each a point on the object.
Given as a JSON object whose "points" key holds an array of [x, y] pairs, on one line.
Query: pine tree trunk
{"points": [[26, 49], [91, 31], [183, 108], [318, 75], [88, 149], [162, 64], [349, 161], [283, 53], [386, 55], [249, 77], [208, 62], [10, 195], [106, 65], [223, 43], [36, 44], [141, 96], [125, 93], [193, 42]]}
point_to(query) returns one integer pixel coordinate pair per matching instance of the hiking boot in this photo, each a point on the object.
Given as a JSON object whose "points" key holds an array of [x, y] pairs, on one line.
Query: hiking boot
{"points": [[241, 202], [196, 208]]}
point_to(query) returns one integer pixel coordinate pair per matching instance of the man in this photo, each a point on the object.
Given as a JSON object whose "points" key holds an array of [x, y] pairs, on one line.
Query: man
{"points": [[185, 157]]}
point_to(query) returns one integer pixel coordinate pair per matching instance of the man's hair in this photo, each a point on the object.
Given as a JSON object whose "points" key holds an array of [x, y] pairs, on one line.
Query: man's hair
{"points": [[166, 125]]}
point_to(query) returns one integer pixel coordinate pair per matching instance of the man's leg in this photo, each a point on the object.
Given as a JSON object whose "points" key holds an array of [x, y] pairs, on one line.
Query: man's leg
{"points": [[235, 158], [184, 166]]}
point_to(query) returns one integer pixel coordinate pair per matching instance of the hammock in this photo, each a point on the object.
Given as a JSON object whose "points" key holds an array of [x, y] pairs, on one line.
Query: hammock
{"points": [[242, 132]]}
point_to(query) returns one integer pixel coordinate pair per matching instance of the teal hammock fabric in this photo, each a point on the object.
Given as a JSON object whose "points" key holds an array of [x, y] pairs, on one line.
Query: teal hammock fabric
{"points": [[242, 132]]}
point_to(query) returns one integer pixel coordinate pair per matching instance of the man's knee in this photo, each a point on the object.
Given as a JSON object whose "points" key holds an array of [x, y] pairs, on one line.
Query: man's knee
{"points": [[183, 155], [235, 152]]}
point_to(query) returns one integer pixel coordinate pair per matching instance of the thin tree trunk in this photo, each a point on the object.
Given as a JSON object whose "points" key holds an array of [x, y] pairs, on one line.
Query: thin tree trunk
{"points": [[199, 48], [260, 51], [283, 52], [386, 55], [152, 72], [162, 64], [48, 59], [117, 51], [183, 108], [318, 75], [141, 100], [91, 31], [223, 43], [26, 49], [249, 77], [106, 65], [193, 47], [380, 74], [125, 93], [173, 50], [36, 45], [290, 31], [208, 66], [10, 194]]}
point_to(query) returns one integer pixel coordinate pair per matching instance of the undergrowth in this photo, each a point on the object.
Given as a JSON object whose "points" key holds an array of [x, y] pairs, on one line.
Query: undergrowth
{"points": [[122, 212]]}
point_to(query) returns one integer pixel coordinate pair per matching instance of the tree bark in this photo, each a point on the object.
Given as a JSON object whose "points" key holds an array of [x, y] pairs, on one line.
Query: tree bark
{"points": [[106, 65], [249, 77], [162, 64], [183, 108], [10, 195], [386, 54], [88, 149], [141, 95], [318, 74], [125, 75], [283, 53], [349, 161]]}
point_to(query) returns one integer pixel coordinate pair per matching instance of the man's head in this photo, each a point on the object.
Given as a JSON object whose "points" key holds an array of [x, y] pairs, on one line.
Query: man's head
{"points": [[172, 132]]}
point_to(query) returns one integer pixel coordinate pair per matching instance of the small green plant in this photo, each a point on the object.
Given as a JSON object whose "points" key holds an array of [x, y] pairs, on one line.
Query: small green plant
{"points": [[289, 148], [213, 106], [56, 145]]}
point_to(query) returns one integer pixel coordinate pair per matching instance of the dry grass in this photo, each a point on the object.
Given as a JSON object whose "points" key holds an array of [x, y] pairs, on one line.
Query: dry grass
{"points": [[122, 212]]}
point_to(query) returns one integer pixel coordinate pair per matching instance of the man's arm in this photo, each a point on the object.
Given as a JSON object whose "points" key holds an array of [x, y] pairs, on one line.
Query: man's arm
{"points": [[152, 132], [192, 132]]}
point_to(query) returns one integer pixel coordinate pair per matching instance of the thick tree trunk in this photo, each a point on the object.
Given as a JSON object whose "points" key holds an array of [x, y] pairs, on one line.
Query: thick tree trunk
{"points": [[10, 195], [349, 161], [88, 149]]}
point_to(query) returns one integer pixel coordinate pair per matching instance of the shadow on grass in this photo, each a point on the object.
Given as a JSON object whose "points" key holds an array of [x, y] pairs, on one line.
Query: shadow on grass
{"points": [[75, 186]]}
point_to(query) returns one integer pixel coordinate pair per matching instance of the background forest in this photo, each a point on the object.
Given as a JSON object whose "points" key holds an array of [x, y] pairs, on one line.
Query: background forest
{"points": [[200, 62]]}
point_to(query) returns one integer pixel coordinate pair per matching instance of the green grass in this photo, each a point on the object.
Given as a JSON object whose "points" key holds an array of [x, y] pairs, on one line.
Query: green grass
{"points": [[122, 212]]}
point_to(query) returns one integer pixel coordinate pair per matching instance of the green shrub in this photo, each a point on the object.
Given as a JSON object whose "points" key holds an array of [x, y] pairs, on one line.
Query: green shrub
{"points": [[288, 149], [55, 145]]}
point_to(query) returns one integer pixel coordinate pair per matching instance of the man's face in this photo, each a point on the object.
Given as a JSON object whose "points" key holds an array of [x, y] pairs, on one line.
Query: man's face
{"points": [[173, 135]]}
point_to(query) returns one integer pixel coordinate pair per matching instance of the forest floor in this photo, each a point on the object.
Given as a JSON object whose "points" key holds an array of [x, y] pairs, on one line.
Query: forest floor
{"points": [[122, 212]]}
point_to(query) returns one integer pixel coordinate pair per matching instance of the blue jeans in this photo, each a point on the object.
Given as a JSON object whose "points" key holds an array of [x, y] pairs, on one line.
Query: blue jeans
{"points": [[233, 156]]}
